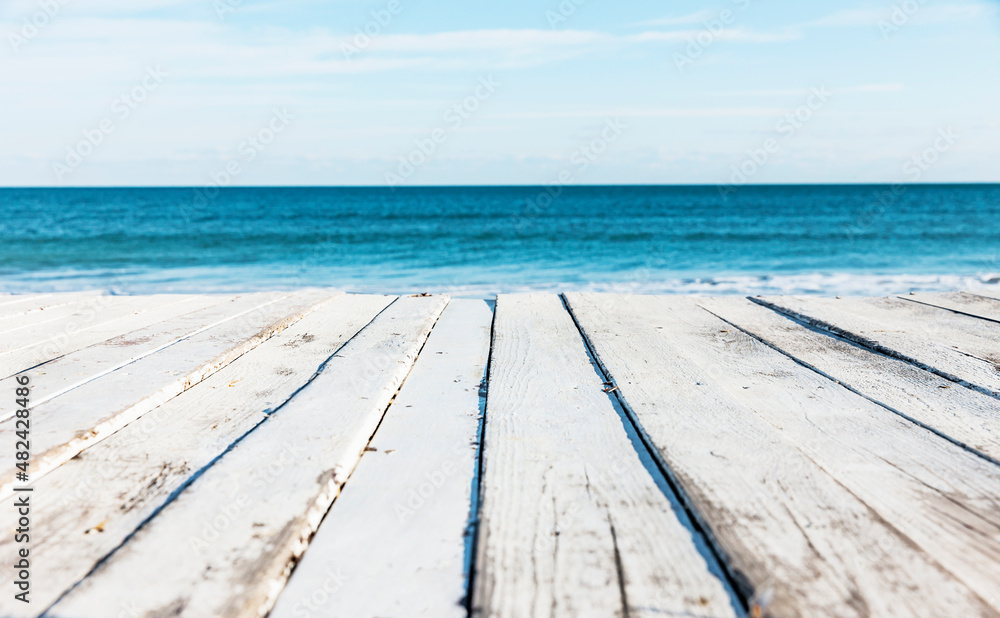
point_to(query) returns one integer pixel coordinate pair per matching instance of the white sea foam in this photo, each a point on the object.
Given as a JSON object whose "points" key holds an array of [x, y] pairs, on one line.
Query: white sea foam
{"points": [[832, 284], [216, 280]]}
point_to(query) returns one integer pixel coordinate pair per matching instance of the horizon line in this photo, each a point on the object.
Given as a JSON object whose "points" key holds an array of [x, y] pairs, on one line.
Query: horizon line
{"points": [[731, 187]]}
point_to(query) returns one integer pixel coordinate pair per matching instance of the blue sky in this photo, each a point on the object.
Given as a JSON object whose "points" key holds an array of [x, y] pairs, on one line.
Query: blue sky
{"points": [[251, 92]]}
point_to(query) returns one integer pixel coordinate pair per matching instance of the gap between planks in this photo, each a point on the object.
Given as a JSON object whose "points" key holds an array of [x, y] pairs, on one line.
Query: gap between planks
{"points": [[952, 364], [867, 511], [112, 488], [568, 503], [240, 570], [97, 409], [393, 543], [963, 416]]}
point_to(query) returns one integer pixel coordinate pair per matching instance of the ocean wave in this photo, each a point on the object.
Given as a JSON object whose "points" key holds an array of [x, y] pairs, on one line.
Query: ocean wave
{"points": [[823, 284], [472, 282]]}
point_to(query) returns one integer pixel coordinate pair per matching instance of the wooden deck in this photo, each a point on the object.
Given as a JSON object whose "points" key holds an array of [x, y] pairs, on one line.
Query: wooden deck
{"points": [[323, 454]]}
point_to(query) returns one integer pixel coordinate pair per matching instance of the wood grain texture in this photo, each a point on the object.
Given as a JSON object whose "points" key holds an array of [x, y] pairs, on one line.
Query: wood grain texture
{"points": [[70, 306], [572, 521], [70, 371], [394, 542], [968, 334], [30, 330], [100, 320], [66, 425], [225, 545], [89, 505], [986, 293], [965, 416], [825, 503], [928, 341], [21, 304], [961, 302]]}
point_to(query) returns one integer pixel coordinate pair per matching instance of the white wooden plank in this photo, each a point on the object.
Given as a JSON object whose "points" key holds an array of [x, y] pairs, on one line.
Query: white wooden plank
{"points": [[225, 545], [965, 416], [20, 304], [100, 321], [393, 544], [65, 373], [20, 300], [65, 425], [985, 293], [28, 329], [90, 504], [970, 335], [926, 343], [187, 315], [36, 307], [9, 325], [825, 503], [572, 522], [960, 302]]}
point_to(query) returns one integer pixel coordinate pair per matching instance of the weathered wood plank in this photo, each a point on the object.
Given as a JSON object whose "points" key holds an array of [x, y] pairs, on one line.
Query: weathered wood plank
{"points": [[572, 522], [90, 504], [993, 294], [225, 545], [965, 416], [69, 306], [67, 372], [29, 329], [968, 334], [927, 343], [65, 425], [393, 544], [20, 304], [826, 503], [961, 302], [100, 321]]}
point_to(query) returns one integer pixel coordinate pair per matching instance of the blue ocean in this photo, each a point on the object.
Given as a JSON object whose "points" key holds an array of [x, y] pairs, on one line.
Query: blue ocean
{"points": [[837, 239]]}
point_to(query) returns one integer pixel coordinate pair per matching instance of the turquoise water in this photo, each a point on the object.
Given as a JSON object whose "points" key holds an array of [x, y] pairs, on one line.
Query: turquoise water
{"points": [[824, 239]]}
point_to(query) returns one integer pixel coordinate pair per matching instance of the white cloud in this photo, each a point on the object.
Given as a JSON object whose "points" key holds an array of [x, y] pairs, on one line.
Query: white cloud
{"points": [[225, 74], [789, 92], [18, 9], [665, 112], [927, 14], [888, 87], [851, 17], [480, 40], [738, 34], [690, 18], [87, 48]]}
